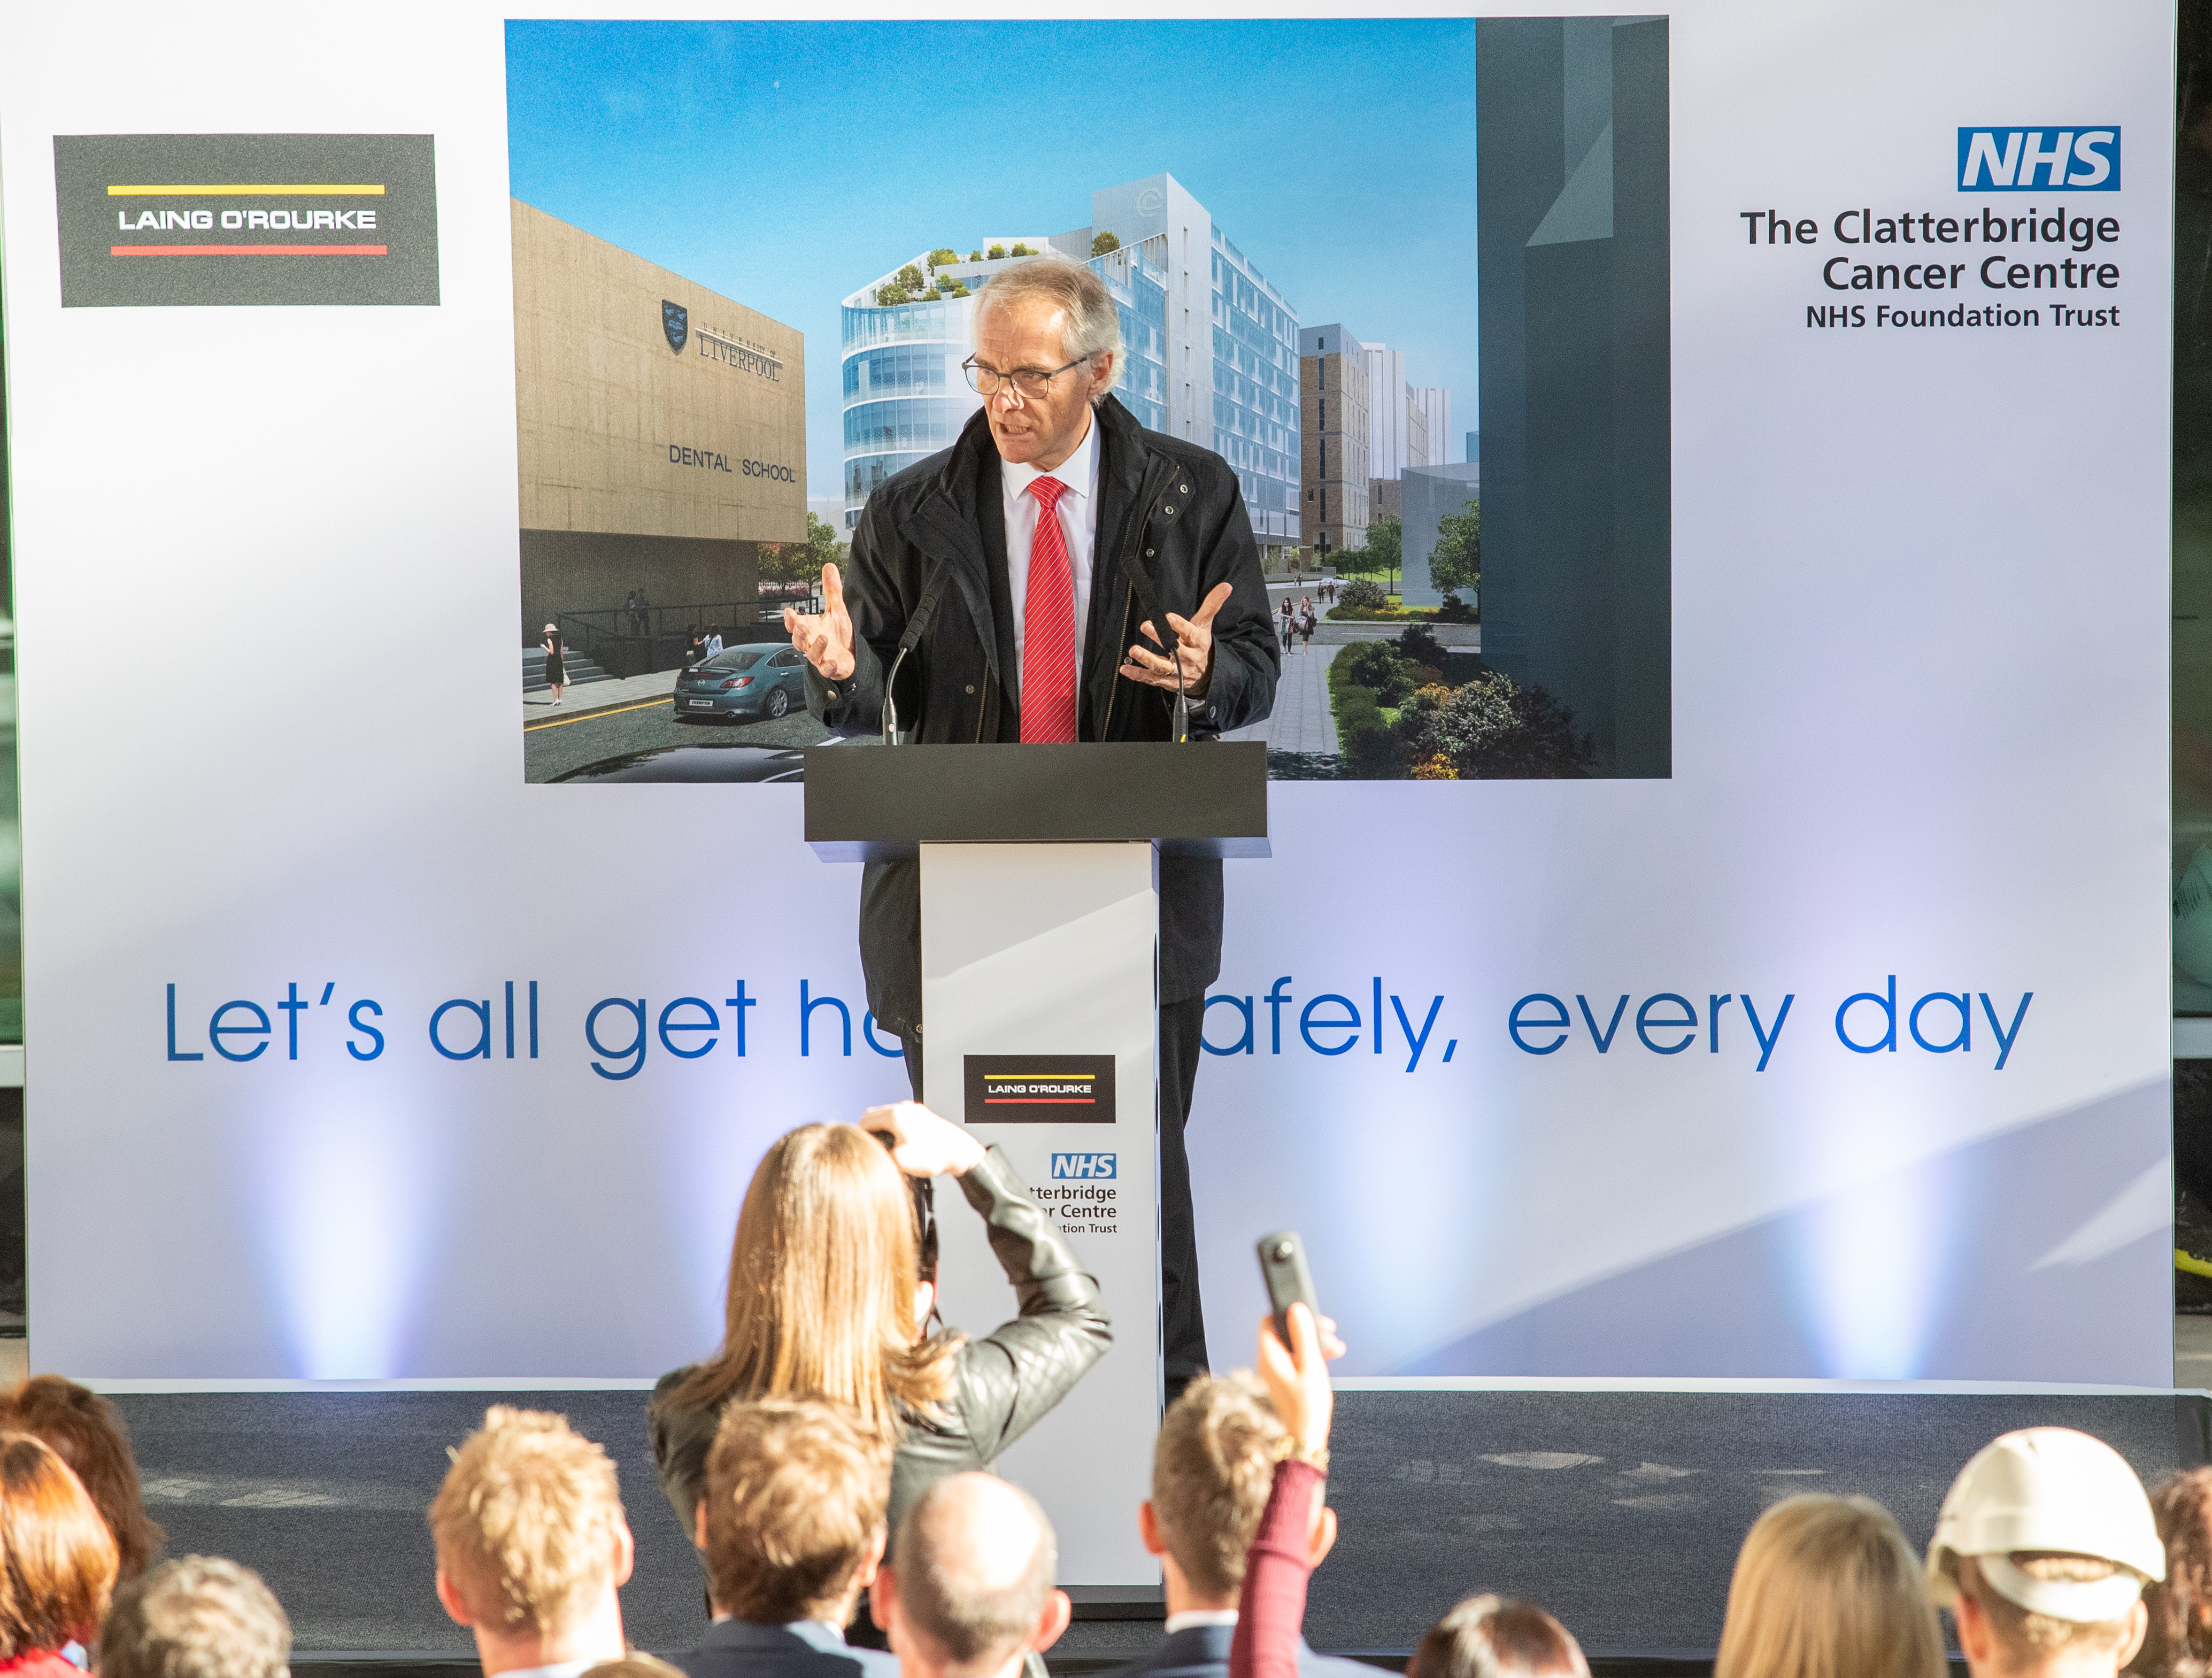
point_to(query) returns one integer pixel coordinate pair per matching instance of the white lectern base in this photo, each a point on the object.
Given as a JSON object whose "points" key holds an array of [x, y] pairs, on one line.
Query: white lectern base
{"points": [[1040, 1013]]}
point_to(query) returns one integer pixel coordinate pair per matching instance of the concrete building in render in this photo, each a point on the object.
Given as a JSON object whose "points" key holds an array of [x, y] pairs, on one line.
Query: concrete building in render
{"points": [[1388, 451], [1212, 350], [1407, 426], [1572, 183], [1474, 447], [1435, 413], [661, 433], [1429, 494], [1333, 431]]}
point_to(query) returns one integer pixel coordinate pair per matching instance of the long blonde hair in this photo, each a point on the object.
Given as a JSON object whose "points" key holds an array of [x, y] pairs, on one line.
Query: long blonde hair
{"points": [[1827, 1587], [821, 1291]]}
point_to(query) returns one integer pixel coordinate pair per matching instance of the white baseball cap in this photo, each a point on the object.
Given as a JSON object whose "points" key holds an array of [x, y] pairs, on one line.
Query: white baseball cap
{"points": [[2051, 1489]]}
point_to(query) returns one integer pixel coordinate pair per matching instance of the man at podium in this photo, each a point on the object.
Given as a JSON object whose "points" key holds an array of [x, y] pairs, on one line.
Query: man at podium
{"points": [[997, 593]]}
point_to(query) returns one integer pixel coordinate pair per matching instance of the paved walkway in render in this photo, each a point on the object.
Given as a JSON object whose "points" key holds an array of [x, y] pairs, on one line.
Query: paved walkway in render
{"points": [[1301, 719], [1340, 633], [593, 698]]}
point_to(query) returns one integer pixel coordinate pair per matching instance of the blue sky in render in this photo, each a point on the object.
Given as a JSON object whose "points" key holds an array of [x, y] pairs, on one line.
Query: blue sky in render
{"points": [[786, 165]]}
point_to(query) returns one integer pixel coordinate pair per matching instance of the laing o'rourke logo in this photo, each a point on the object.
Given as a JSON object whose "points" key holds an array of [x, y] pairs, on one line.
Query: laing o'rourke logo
{"points": [[2039, 159], [1038, 1089], [250, 219]]}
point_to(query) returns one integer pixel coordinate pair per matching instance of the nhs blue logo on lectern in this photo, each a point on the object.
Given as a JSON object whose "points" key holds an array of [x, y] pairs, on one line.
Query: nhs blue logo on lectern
{"points": [[1091, 1165], [2039, 159]]}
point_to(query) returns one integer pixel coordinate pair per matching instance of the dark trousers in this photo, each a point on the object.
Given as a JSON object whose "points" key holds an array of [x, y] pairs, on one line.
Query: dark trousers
{"points": [[1182, 1318]]}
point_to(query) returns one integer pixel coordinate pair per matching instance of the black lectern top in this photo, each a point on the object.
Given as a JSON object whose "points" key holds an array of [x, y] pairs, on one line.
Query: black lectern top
{"points": [[872, 804]]}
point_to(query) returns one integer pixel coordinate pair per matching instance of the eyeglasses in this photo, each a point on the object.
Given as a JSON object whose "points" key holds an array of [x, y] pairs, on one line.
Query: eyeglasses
{"points": [[1031, 384]]}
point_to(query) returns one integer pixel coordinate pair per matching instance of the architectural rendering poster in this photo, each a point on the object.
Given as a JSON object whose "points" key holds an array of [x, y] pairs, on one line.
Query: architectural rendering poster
{"points": [[682, 480], [1789, 1000]]}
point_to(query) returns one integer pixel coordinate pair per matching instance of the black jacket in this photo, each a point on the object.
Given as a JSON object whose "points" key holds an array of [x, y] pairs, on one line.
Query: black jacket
{"points": [[1175, 507], [734, 1649], [1202, 1651], [1002, 1384]]}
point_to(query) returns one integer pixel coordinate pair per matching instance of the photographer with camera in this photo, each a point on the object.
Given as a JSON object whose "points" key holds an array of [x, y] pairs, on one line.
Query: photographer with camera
{"points": [[832, 1284]]}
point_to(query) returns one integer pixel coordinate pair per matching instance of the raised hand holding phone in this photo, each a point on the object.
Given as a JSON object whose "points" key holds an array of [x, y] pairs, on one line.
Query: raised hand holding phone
{"points": [[1297, 1378], [1296, 1343]]}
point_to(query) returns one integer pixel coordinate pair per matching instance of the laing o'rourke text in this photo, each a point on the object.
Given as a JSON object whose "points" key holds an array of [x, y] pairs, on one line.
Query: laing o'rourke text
{"points": [[1867, 1022], [2037, 250], [275, 221]]}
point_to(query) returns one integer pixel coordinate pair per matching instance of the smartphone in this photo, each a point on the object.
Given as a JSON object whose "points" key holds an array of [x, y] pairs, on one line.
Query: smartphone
{"points": [[1283, 1268]]}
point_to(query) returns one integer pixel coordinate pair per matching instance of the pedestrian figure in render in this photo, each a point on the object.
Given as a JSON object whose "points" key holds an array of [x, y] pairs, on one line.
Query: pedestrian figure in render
{"points": [[557, 668]]}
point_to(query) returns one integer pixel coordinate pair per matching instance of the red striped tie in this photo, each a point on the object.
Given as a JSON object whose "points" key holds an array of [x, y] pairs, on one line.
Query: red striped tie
{"points": [[1048, 629]]}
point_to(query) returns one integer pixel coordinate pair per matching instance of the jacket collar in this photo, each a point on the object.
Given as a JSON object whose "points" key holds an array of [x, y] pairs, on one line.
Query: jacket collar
{"points": [[944, 526], [1131, 477], [743, 1635], [1127, 453], [1200, 1646], [1194, 1645]]}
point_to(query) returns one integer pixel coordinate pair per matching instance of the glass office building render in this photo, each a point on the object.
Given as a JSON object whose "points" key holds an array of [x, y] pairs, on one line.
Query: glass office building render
{"points": [[1213, 351], [1256, 393], [905, 396]]}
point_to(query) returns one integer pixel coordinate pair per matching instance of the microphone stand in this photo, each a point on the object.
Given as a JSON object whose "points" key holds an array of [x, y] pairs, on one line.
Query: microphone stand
{"points": [[1134, 574]]}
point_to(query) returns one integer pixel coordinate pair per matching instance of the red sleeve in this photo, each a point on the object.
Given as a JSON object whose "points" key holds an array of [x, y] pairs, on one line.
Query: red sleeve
{"points": [[1273, 1608]]}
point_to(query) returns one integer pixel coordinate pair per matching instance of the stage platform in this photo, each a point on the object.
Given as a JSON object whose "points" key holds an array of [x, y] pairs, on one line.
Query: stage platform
{"points": [[1620, 1511]]}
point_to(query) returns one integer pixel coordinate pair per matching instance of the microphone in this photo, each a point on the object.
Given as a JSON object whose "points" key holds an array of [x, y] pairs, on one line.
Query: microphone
{"points": [[915, 626], [1134, 575]]}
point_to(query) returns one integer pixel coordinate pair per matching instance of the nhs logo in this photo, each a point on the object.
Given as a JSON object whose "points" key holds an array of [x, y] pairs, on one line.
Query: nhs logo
{"points": [[1091, 1165], [2039, 159]]}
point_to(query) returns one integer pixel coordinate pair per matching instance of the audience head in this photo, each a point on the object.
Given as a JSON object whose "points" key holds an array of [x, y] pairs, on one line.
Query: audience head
{"points": [[196, 1617], [55, 1553], [1498, 1637], [529, 1527], [972, 1590], [633, 1665], [1213, 1465], [823, 1297], [793, 1520], [2177, 1640], [87, 1432], [2042, 1548], [1828, 1588]]}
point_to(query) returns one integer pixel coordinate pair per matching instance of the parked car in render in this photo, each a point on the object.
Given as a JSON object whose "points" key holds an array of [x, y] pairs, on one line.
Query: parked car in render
{"points": [[761, 678]]}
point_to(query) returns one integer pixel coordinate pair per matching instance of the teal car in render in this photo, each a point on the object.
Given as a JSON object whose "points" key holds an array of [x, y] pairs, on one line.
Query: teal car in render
{"points": [[761, 679]]}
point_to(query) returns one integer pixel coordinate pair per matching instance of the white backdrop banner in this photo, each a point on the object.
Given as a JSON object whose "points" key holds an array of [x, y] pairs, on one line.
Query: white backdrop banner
{"points": [[1838, 1048]]}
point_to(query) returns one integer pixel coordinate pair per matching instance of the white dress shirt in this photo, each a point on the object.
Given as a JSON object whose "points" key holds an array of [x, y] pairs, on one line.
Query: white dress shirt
{"points": [[1077, 513]]}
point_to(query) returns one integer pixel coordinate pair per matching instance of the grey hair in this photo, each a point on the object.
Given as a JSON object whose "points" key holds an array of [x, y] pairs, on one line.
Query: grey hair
{"points": [[1089, 323], [196, 1617]]}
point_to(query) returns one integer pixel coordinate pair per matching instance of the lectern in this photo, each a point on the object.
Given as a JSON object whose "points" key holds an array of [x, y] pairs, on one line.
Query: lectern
{"points": [[1039, 927]]}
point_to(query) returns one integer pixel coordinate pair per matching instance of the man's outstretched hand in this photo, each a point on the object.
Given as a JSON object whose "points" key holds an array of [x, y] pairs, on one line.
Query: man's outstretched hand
{"points": [[826, 637], [1193, 648]]}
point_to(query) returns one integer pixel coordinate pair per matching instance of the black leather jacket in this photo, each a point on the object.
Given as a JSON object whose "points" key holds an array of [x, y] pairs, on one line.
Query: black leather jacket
{"points": [[1173, 507], [1002, 1384]]}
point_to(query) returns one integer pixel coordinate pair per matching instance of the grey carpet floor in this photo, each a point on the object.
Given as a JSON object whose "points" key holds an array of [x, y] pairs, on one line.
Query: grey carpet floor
{"points": [[1620, 1512]]}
